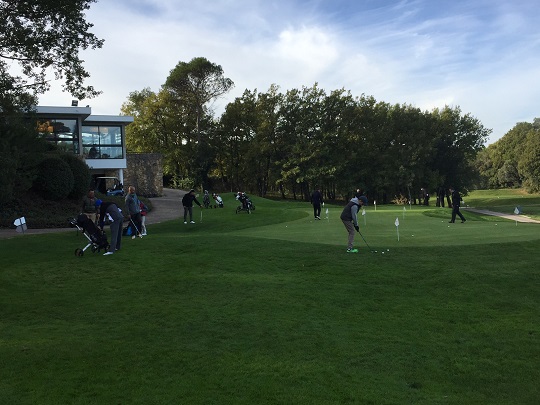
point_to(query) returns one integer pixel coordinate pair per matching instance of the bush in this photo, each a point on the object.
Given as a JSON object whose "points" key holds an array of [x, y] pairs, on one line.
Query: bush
{"points": [[81, 175], [55, 179]]}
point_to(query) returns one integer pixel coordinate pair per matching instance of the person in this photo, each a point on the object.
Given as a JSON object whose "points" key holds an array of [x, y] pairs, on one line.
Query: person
{"points": [[456, 202], [317, 201], [134, 211], [187, 202], [144, 211], [441, 192], [115, 226], [349, 216], [426, 196], [89, 206]]}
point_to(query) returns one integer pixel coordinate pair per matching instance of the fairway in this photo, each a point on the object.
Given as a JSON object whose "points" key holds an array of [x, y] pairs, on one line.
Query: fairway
{"points": [[267, 308]]}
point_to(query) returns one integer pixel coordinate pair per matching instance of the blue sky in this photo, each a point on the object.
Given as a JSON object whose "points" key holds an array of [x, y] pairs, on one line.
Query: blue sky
{"points": [[483, 56]]}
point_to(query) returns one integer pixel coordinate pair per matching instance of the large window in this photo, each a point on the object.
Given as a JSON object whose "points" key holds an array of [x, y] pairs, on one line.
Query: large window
{"points": [[102, 142], [62, 132]]}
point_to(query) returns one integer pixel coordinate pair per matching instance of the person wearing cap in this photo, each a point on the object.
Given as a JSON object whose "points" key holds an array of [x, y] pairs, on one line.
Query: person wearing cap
{"points": [[115, 226], [349, 216], [187, 202]]}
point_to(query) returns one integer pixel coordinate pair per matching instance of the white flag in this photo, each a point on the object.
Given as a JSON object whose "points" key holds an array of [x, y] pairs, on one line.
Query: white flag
{"points": [[397, 221]]}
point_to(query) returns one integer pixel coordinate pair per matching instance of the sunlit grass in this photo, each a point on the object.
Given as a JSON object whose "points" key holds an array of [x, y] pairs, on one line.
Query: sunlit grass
{"points": [[268, 308]]}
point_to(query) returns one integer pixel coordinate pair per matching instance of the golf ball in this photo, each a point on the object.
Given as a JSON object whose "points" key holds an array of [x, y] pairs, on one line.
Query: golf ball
{"points": [[383, 253]]}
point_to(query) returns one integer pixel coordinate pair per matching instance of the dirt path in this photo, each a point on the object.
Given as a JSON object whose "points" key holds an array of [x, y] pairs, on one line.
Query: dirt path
{"points": [[512, 217], [164, 208]]}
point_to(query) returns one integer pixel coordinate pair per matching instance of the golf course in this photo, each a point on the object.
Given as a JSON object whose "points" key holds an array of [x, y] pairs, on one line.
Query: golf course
{"points": [[268, 308]]}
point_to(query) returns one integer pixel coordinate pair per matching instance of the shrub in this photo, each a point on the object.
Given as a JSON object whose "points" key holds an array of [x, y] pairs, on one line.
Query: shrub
{"points": [[55, 179], [81, 175]]}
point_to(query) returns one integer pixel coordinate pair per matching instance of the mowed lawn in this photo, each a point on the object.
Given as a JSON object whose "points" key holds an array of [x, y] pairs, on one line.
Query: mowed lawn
{"points": [[268, 308]]}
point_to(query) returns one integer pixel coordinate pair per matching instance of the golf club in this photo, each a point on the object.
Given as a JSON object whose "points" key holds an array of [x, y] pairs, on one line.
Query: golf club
{"points": [[371, 250], [136, 229]]}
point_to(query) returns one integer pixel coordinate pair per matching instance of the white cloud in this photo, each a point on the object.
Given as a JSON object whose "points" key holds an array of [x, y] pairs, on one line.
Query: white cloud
{"points": [[482, 56]]}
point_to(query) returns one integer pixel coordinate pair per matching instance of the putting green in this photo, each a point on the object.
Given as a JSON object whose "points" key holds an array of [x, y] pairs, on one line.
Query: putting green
{"points": [[418, 226]]}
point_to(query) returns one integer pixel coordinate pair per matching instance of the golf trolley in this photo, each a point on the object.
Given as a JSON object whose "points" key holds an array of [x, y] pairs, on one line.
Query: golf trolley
{"points": [[246, 206], [97, 239]]}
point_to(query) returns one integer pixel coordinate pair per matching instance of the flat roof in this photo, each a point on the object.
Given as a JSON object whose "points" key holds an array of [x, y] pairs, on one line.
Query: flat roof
{"points": [[81, 111], [125, 119]]}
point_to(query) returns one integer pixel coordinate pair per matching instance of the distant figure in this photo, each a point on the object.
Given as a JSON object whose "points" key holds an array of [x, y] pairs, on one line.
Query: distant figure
{"points": [[426, 197], [187, 203], [144, 211], [456, 202], [441, 193], [317, 201], [93, 153], [133, 210], [349, 217], [89, 206]]}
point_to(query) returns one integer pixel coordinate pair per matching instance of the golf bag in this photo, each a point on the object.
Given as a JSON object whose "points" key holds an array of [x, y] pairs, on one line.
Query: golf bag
{"points": [[206, 199], [97, 239]]}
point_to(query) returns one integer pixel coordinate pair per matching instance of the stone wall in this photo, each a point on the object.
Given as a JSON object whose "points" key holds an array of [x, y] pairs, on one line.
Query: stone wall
{"points": [[145, 172]]}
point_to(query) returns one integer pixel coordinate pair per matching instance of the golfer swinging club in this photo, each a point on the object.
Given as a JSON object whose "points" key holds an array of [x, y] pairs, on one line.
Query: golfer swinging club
{"points": [[349, 216]]}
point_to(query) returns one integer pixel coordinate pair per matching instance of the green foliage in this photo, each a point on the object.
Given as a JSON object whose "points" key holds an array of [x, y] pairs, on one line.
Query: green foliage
{"points": [[81, 175], [55, 180], [512, 161], [20, 153], [41, 36]]}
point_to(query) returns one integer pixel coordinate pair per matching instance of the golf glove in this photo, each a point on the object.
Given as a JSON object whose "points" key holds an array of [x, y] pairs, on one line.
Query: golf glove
{"points": [[357, 228]]}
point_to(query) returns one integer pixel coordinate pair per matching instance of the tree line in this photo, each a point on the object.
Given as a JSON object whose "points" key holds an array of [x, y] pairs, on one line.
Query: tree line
{"points": [[291, 142], [514, 160]]}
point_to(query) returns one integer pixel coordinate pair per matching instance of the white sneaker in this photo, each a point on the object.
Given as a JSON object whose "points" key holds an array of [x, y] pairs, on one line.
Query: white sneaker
{"points": [[144, 234], [133, 237], [185, 222], [192, 222], [108, 253]]}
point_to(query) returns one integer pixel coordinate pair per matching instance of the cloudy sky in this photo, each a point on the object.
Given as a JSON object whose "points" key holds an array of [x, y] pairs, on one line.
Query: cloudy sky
{"points": [[480, 55]]}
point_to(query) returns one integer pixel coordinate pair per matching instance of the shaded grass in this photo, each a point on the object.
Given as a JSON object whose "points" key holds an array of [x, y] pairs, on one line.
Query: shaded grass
{"points": [[249, 309]]}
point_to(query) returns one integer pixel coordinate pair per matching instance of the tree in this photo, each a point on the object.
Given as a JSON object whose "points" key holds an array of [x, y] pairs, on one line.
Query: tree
{"points": [[192, 85], [39, 36], [36, 37]]}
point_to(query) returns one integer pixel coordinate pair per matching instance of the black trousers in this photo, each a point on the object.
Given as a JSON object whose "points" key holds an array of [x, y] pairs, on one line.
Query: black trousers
{"points": [[455, 211], [317, 210]]}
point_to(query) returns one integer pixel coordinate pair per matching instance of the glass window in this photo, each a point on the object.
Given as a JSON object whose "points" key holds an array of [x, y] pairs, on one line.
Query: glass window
{"points": [[102, 142], [62, 132]]}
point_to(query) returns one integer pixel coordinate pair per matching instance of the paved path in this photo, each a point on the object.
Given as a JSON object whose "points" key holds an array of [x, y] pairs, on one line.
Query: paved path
{"points": [[513, 217], [164, 208]]}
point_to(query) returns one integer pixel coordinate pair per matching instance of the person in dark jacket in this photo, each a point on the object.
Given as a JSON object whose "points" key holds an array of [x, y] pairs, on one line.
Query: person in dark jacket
{"points": [[349, 216], [89, 205], [134, 211], [187, 202], [116, 226], [317, 200], [456, 202]]}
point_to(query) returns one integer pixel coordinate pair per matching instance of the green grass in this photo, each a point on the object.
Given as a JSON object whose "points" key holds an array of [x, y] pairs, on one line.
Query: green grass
{"points": [[268, 308], [505, 200]]}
